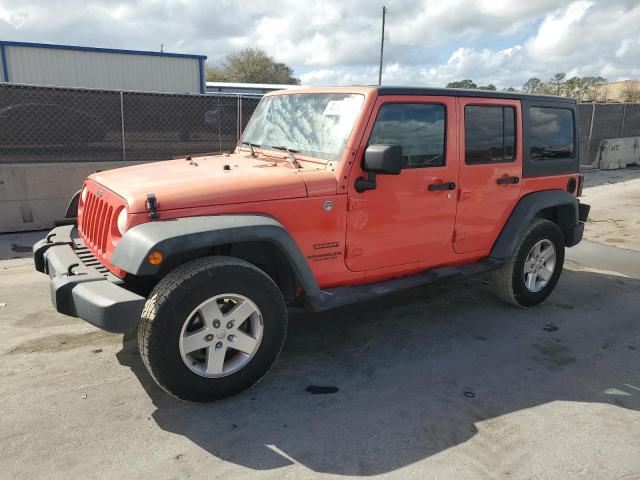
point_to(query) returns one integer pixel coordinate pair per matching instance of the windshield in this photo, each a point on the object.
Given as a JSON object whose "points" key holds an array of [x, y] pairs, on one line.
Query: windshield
{"points": [[315, 125]]}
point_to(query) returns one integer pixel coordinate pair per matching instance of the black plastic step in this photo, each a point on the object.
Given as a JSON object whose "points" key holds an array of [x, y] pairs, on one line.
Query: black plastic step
{"points": [[341, 296]]}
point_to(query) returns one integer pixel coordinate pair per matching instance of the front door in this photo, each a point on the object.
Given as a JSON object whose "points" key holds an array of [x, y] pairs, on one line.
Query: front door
{"points": [[408, 218], [490, 170]]}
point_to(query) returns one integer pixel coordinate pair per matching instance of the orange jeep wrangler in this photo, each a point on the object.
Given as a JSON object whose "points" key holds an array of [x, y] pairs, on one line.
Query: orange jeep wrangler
{"points": [[332, 196]]}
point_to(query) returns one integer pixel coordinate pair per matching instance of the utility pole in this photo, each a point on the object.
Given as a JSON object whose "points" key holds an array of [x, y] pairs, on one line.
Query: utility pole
{"points": [[384, 14]]}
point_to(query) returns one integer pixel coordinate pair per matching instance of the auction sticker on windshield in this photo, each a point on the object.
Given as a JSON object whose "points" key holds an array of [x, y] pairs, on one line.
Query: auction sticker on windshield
{"points": [[349, 106]]}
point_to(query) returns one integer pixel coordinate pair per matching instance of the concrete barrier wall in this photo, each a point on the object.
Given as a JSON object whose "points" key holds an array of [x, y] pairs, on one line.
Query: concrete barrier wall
{"points": [[619, 152], [33, 196], [603, 121]]}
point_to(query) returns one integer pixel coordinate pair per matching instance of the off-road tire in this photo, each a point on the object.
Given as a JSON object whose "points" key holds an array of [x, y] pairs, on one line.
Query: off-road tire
{"points": [[508, 282], [177, 295]]}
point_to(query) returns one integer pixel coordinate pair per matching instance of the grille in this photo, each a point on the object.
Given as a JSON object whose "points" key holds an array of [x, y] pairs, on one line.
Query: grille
{"points": [[97, 218]]}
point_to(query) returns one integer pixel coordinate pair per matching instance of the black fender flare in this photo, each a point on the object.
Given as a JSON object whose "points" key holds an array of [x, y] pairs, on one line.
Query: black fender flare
{"points": [[171, 237], [72, 208], [526, 210]]}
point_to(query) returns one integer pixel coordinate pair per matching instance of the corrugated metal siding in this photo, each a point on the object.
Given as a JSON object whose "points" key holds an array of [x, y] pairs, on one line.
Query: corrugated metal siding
{"points": [[113, 71]]}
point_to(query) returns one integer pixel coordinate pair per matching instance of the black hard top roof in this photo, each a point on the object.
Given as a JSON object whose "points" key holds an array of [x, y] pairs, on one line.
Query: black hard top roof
{"points": [[463, 92]]}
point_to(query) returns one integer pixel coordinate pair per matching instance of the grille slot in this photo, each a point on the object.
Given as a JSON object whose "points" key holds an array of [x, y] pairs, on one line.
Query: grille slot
{"points": [[88, 259]]}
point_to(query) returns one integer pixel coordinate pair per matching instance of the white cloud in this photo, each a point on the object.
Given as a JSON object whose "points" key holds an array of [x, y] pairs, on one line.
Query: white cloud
{"points": [[484, 66], [13, 19], [437, 22], [337, 41], [554, 39], [580, 38]]}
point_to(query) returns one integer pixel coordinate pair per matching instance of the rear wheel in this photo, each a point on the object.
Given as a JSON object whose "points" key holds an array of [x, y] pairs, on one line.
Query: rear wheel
{"points": [[533, 270], [212, 328]]}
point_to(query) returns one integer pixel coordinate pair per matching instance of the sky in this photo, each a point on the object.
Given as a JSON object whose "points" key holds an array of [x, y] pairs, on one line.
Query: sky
{"points": [[428, 42]]}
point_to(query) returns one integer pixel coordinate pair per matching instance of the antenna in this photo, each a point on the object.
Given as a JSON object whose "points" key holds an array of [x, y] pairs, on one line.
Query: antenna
{"points": [[384, 14]]}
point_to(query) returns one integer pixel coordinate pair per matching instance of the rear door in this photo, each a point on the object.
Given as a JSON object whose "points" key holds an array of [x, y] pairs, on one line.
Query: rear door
{"points": [[408, 218], [490, 170]]}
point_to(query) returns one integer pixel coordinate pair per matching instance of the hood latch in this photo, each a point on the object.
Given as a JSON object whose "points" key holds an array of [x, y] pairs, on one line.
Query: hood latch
{"points": [[152, 206]]}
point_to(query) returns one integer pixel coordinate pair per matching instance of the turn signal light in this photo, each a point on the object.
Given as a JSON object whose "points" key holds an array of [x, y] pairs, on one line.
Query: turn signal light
{"points": [[155, 258]]}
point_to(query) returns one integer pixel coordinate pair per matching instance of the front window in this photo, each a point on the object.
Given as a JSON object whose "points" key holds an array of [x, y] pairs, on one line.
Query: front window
{"points": [[316, 125], [417, 127]]}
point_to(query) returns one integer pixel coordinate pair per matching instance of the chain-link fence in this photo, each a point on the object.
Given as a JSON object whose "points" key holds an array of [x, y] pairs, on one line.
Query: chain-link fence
{"points": [[599, 121], [50, 124]]}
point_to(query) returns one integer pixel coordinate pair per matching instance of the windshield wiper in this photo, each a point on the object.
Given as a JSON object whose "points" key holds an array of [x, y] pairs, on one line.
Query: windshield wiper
{"points": [[290, 152], [251, 145]]}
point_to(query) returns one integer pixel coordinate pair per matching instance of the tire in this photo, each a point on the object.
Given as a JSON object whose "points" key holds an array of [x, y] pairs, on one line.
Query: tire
{"points": [[179, 311], [512, 284]]}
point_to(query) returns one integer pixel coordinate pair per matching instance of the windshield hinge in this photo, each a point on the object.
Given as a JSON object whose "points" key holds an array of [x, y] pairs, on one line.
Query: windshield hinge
{"points": [[356, 204]]}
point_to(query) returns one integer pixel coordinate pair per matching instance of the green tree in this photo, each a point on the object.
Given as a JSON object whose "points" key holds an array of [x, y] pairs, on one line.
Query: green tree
{"points": [[557, 83], [580, 88], [592, 89], [251, 65], [462, 84], [532, 86], [574, 87]]}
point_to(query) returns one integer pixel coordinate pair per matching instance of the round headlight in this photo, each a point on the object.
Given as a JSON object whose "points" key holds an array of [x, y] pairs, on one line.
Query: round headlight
{"points": [[122, 220], [83, 195]]}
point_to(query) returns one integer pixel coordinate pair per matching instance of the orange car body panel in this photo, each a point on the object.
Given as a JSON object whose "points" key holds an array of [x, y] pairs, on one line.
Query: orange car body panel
{"points": [[484, 206], [400, 222], [398, 229], [203, 181]]}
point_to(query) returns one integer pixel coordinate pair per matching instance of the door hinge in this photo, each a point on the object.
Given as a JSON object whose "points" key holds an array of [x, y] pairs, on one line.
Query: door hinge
{"points": [[353, 251], [454, 236]]}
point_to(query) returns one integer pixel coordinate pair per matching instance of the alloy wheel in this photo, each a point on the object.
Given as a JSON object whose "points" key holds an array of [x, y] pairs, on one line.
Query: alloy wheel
{"points": [[539, 265], [221, 335]]}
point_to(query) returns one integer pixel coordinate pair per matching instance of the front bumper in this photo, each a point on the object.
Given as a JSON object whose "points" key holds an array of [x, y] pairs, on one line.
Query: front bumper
{"points": [[81, 287]]}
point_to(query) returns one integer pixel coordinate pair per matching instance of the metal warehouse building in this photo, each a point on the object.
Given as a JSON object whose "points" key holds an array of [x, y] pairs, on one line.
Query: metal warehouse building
{"points": [[103, 68], [246, 88]]}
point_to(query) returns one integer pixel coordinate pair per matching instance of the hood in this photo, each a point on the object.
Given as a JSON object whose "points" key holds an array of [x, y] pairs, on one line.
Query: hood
{"points": [[204, 181]]}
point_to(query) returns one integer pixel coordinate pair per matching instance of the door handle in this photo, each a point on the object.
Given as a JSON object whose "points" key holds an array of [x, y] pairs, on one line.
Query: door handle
{"points": [[508, 180], [441, 186]]}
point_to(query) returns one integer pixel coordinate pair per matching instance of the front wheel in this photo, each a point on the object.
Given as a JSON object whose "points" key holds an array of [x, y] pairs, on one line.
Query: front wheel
{"points": [[212, 328], [533, 270]]}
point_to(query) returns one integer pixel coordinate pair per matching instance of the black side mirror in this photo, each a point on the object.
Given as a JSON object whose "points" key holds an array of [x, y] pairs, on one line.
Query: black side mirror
{"points": [[383, 159]]}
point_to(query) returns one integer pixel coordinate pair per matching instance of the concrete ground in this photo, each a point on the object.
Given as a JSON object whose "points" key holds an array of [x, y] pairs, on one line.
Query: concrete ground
{"points": [[439, 382], [615, 213]]}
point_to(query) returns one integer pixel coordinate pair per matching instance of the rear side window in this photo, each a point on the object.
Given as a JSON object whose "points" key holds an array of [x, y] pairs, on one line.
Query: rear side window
{"points": [[418, 127], [550, 133], [489, 133]]}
